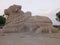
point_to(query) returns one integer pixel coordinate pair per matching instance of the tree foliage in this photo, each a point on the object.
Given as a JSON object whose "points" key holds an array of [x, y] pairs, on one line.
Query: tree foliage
{"points": [[2, 20], [58, 16]]}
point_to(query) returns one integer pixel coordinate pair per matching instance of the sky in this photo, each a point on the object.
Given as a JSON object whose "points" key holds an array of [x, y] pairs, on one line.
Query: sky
{"points": [[47, 8]]}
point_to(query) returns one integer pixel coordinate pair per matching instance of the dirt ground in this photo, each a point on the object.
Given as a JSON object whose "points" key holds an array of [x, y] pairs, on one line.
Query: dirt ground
{"points": [[27, 38]]}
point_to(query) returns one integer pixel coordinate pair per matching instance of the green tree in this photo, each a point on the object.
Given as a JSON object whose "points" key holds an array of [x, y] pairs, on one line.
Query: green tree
{"points": [[58, 16], [2, 20]]}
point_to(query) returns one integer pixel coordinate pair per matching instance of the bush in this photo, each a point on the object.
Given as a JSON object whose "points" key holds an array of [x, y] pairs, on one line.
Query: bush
{"points": [[58, 16], [2, 20]]}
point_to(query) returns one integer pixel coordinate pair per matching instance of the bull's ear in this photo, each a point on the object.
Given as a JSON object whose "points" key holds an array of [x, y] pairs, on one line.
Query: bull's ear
{"points": [[18, 8]]}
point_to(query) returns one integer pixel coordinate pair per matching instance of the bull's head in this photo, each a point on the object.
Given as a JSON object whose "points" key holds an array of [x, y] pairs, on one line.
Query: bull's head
{"points": [[12, 9]]}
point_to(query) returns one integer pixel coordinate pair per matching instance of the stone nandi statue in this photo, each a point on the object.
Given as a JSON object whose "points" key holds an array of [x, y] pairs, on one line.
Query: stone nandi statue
{"points": [[18, 21]]}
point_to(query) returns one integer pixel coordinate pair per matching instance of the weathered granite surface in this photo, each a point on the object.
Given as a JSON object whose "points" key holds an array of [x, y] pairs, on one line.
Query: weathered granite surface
{"points": [[19, 21]]}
